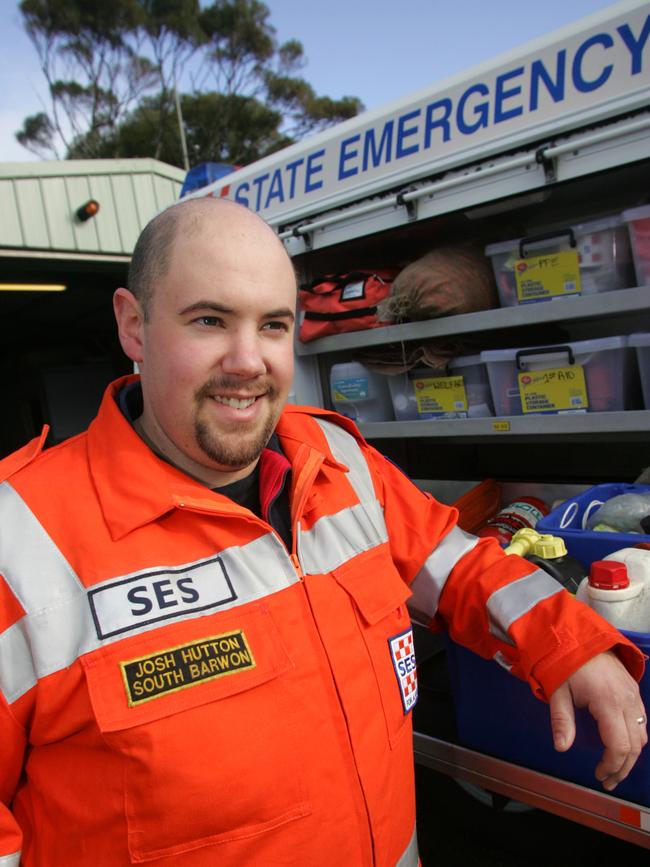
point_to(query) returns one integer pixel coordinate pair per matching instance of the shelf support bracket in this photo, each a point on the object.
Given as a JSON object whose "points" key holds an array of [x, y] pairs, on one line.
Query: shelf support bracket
{"points": [[547, 163], [411, 205], [304, 236]]}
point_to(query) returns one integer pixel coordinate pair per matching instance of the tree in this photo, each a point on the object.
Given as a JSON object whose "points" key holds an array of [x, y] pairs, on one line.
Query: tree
{"points": [[219, 127], [174, 34], [243, 56], [112, 72], [92, 71]]}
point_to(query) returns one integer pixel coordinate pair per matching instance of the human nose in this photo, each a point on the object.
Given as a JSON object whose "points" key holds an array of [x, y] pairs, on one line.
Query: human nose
{"points": [[243, 356]]}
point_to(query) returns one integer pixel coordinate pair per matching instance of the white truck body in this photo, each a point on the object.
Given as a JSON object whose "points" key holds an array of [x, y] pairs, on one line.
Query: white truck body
{"points": [[581, 74]]}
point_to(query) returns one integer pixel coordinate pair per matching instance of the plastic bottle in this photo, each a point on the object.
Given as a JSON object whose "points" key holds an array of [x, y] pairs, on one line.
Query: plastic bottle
{"points": [[523, 512], [618, 588], [359, 393], [550, 554]]}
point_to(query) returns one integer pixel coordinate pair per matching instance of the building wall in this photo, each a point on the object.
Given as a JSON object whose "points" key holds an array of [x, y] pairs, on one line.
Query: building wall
{"points": [[38, 203]]}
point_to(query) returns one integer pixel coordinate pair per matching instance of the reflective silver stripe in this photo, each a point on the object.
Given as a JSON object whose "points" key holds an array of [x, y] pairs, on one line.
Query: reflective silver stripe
{"points": [[61, 621], [233, 577], [410, 856], [28, 552], [334, 539], [429, 583], [346, 450], [12, 860], [502, 661], [515, 599], [17, 673]]}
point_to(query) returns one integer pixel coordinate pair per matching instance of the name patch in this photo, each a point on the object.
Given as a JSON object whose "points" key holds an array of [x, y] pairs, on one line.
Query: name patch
{"points": [[402, 651], [149, 597], [177, 668]]}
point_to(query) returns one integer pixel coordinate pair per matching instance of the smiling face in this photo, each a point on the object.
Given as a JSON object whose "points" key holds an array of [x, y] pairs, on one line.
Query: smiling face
{"points": [[216, 350]]}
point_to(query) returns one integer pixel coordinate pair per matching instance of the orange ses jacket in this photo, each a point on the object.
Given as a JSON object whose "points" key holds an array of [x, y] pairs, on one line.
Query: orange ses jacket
{"points": [[178, 688]]}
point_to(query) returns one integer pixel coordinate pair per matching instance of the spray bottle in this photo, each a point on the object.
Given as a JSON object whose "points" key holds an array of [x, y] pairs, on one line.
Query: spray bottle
{"points": [[550, 554]]}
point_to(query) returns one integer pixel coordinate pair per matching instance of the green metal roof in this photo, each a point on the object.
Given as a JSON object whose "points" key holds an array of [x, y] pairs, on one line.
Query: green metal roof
{"points": [[39, 201]]}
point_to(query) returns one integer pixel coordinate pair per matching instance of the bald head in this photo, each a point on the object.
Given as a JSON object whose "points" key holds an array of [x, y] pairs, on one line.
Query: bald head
{"points": [[153, 251]]}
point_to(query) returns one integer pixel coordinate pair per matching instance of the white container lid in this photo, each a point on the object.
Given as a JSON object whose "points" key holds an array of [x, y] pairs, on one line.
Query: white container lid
{"points": [[579, 229], [578, 347], [641, 339], [466, 360], [641, 213], [601, 225]]}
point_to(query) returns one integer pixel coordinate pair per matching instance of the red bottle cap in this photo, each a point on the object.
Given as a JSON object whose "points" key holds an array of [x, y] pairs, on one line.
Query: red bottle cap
{"points": [[608, 575]]}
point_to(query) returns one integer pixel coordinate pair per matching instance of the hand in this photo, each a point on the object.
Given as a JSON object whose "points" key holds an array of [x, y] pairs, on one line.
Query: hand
{"points": [[604, 686]]}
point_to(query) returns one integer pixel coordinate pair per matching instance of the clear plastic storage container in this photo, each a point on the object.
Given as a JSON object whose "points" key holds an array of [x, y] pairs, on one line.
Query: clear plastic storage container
{"points": [[641, 343], [587, 375], [359, 393], [529, 269], [425, 393], [638, 223]]}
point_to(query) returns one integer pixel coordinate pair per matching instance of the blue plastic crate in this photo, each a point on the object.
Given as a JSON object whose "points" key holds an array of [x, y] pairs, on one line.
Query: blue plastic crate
{"points": [[497, 714], [568, 520]]}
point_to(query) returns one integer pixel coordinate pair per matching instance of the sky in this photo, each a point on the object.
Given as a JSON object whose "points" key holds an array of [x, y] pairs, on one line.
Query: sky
{"points": [[376, 50]]}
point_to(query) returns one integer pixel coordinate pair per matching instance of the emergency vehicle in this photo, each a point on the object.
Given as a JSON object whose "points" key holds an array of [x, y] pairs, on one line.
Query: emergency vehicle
{"points": [[554, 133]]}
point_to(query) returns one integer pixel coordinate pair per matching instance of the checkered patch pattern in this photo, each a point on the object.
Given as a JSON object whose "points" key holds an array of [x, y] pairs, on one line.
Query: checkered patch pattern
{"points": [[402, 651]]}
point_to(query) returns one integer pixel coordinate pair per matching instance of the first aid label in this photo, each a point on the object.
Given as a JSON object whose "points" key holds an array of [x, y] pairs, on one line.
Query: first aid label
{"points": [[176, 668], [559, 389]]}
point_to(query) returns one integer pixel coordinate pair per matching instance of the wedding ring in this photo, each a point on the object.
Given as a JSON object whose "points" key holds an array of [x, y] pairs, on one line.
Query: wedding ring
{"points": [[641, 720]]}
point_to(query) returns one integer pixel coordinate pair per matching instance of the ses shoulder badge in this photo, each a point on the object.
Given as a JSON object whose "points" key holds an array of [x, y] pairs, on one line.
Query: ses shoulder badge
{"points": [[402, 651]]}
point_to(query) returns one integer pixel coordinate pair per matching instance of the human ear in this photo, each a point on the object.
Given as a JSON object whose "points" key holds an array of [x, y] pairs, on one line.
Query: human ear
{"points": [[130, 323]]}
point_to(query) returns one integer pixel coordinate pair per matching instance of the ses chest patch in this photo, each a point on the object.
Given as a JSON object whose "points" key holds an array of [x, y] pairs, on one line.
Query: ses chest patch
{"points": [[134, 602], [402, 651], [149, 677]]}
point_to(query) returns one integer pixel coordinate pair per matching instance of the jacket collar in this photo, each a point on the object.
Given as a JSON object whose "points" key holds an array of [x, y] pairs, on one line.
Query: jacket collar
{"points": [[295, 429], [135, 487]]}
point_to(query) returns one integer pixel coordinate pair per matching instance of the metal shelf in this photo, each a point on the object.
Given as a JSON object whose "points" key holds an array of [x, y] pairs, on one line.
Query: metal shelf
{"points": [[606, 304], [590, 807], [588, 425]]}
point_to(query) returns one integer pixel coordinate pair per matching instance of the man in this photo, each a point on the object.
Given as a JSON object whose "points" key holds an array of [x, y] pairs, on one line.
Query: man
{"points": [[206, 652]]}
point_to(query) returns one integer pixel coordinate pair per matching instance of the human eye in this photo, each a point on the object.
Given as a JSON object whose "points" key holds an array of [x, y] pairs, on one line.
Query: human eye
{"points": [[208, 321], [276, 325]]}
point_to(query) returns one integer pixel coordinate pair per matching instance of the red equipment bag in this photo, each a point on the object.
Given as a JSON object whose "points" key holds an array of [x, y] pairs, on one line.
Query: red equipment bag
{"points": [[336, 303]]}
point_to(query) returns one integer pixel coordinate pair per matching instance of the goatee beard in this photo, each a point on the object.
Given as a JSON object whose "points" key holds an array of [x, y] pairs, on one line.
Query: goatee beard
{"points": [[238, 453], [237, 448]]}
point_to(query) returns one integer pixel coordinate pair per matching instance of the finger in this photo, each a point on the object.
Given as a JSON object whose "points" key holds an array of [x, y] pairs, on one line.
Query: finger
{"points": [[624, 738], [563, 724]]}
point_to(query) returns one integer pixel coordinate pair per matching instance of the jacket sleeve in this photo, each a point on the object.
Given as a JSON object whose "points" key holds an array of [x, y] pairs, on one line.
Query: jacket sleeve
{"points": [[500, 606], [13, 738]]}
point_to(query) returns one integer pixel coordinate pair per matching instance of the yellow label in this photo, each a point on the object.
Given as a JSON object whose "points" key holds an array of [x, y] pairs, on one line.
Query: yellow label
{"points": [[557, 389], [440, 394], [551, 276], [500, 425], [186, 665]]}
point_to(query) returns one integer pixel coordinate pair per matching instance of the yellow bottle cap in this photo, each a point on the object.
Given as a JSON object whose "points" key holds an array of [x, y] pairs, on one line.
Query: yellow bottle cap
{"points": [[523, 541], [549, 547]]}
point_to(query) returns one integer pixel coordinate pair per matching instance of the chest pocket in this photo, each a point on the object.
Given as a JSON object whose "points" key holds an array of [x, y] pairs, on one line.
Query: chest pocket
{"points": [[197, 717], [379, 595]]}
